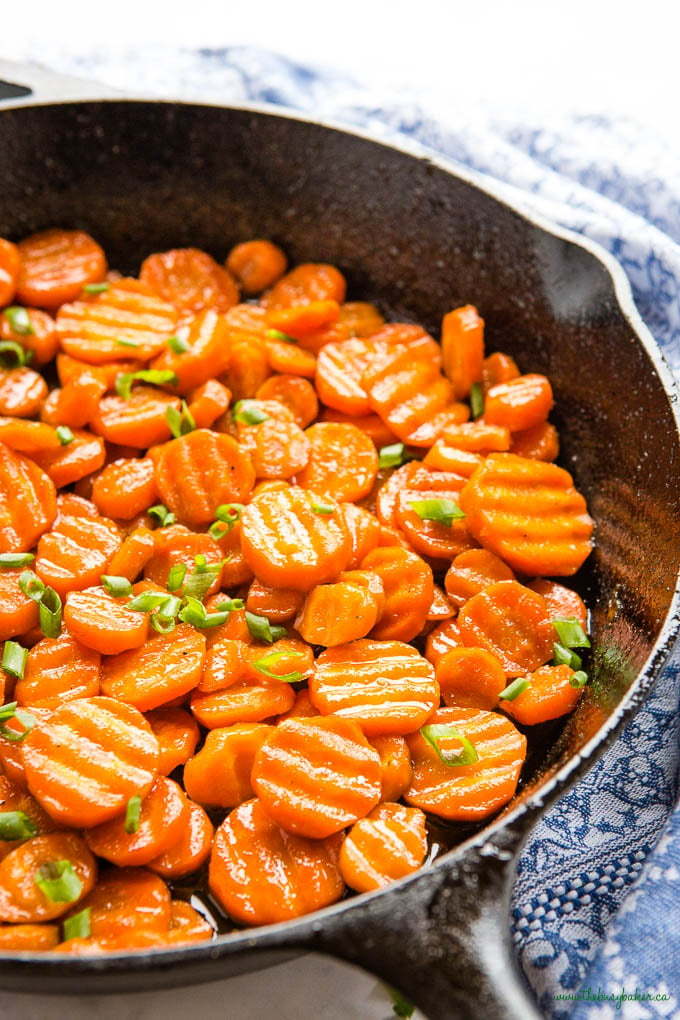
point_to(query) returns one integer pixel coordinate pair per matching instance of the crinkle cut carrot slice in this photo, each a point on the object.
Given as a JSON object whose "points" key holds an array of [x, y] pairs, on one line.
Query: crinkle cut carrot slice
{"points": [[28, 502], [85, 762], [125, 488], [395, 762], [261, 874], [307, 282], [281, 449], [55, 266], [316, 776], [139, 421], [58, 670], [124, 899], [408, 585], [84, 454], [471, 572], [190, 279], [163, 816], [256, 265], [177, 734], [548, 696], [166, 667], [76, 552], [103, 622], [343, 462], [510, 621], [388, 844], [528, 513], [560, 600], [463, 348], [200, 471], [219, 775], [177, 545], [333, 614], [208, 402], [246, 700], [541, 442], [18, 612], [22, 391], [42, 342], [471, 677], [190, 851], [295, 393], [374, 427], [132, 556], [339, 372], [21, 897], [277, 604], [289, 544], [10, 267], [17, 798], [387, 687], [76, 403], [226, 662], [431, 537], [290, 359], [498, 368], [519, 404], [466, 793], [364, 530], [208, 353], [441, 640], [29, 938], [441, 608]]}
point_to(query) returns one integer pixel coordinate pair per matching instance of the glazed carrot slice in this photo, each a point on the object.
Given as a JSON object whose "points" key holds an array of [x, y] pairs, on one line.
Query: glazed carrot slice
{"points": [[441, 640], [289, 359], [88, 758], [443, 456], [76, 552], [256, 265], [295, 393], [364, 530], [226, 662], [14, 797], [58, 670], [10, 267], [528, 513], [247, 700], [374, 427], [177, 734], [190, 851], [126, 321], [125, 899], [18, 612], [304, 322], [302, 708], [478, 437], [466, 793], [69, 504], [395, 762], [132, 556], [56, 265], [281, 449], [408, 585], [102, 622], [219, 775], [70, 369], [208, 402], [29, 938], [28, 502], [471, 677], [334, 614], [125, 488], [166, 667], [289, 544], [463, 348], [520, 403], [261, 874], [549, 695], [81, 456], [471, 572], [139, 421], [388, 844], [361, 318], [316, 776], [201, 471], [190, 279], [540, 442], [41, 338], [30, 437], [277, 604], [441, 608], [387, 687], [498, 368], [307, 282], [561, 601], [343, 462], [249, 366], [421, 509], [162, 818], [76, 403], [406, 476], [187, 925], [207, 352], [30, 886], [340, 368], [21, 392], [512, 623], [176, 546]]}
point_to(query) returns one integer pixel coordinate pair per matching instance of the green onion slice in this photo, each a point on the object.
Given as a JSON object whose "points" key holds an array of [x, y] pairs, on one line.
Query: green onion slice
{"points": [[31, 585], [116, 586], [164, 516], [261, 628], [64, 435], [570, 632], [565, 656], [19, 321], [14, 658], [78, 926], [201, 579], [443, 511], [146, 602], [157, 377], [133, 814], [96, 288], [49, 609], [59, 882], [176, 576], [277, 334], [10, 560], [514, 689], [227, 514], [435, 732], [322, 508], [401, 1007], [579, 679], [231, 605], [10, 711], [476, 400], [248, 413], [391, 456], [16, 825], [263, 666], [11, 347], [127, 342], [195, 613], [177, 345], [180, 422]]}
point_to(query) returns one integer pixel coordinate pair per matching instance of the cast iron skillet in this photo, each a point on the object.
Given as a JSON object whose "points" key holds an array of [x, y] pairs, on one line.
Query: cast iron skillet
{"points": [[418, 236]]}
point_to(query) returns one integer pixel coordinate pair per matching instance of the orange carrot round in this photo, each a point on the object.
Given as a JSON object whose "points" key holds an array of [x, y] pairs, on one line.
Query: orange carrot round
{"points": [[42, 878], [512, 623], [162, 817], [56, 265], [388, 844]]}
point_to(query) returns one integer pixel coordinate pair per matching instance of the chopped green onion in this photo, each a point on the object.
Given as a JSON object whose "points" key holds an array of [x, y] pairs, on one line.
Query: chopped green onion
{"points": [[177, 345], [96, 288], [133, 813], [565, 657], [124, 380], [116, 586], [514, 689], [579, 679], [10, 560], [443, 511], [231, 606], [322, 508], [64, 435], [195, 613], [391, 456], [14, 658], [126, 342], [78, 926], [434, 733], [248, 413], [200, 581], [16, 825], [31, 585], [11, 347], [227, 514], [163, 620], [401, 1007], [176, 576], [59, 882], [570, 632], [146, 602], [10, 711], [276, 334], [49, 609], [180, 422], [19, 321], [263, 666], [261, 628], [164, 516], [476, 400]]}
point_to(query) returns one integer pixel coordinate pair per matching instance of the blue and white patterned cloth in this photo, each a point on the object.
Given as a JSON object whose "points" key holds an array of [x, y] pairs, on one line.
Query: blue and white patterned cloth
{"points": [[596, 904]]}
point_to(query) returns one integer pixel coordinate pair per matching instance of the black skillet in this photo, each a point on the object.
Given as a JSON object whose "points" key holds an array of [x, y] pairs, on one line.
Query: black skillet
{"points": [[419, 237]]}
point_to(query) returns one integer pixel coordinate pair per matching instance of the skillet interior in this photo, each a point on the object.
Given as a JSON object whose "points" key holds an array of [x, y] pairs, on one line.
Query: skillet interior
{"points": [[418, 240]]}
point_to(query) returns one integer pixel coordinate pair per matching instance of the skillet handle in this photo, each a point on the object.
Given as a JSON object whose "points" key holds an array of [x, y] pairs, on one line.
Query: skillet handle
{"points": [[443, 939], [24, 83]]}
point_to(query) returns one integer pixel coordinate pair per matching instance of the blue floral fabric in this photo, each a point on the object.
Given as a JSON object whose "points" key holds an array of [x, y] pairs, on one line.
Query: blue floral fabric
{"points": [[596, 900]]}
